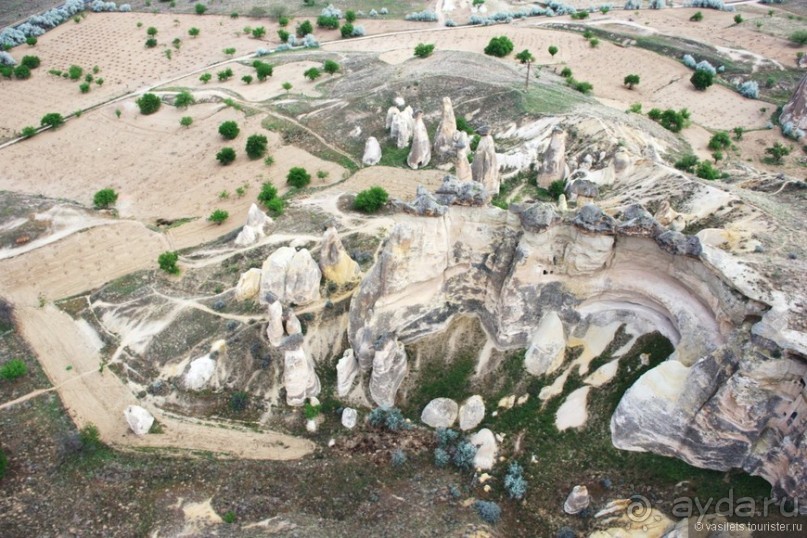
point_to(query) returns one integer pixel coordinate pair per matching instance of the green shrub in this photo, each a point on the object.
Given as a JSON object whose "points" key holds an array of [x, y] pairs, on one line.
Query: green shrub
{"points": [[276, 206], [186, 121], [105, 198], [499, 46], [247, 79], [556, 188], [263, 70], [697, 17], [346, 30], [28, 131], [566, 72], [330, 23], [312, 74], [229, 51], [258, 32], [151, 31], [205, 78], [239, 401], [3, 463], [184, 99], [311, 411], [225, 156], [168, 262], [330, 67], [256, 146], [31, 62], [13, 369], [200, 9], [149, 103], [298, 177], [229, 130], [283, 35], [630, 81], [463, 125], [268, 193], [193, 32], [31, 41], [229, 517], [424, 50], [151, 43], [687, 163], [552, 50], [370, 200], [74, 72], [705, 170], [799, 37], [52, 119], [350, 16], [22, 72], [218, 216], [701, 79], [84, 87], [90, 438], [304, 28], [777, 152], [719, 140]]}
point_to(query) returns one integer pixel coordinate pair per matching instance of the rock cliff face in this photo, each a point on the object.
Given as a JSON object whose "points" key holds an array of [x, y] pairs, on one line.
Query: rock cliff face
{"points": [[795, 111], [334, 262], [291, 275], [485, 168], [531, 276], [444, 139], [421, 153], [554, 162]]}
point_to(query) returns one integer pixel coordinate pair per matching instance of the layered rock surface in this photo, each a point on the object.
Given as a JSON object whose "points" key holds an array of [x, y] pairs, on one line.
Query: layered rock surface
{"points": [[291, 275]]}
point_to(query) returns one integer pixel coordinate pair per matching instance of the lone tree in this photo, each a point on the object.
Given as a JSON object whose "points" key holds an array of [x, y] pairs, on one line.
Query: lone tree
{"points": [[53, 120], [702, 79], [370, 200], [218, 216], [149, 103], [263, 70], [193, 32], [225, 156], [184, 100], [229, 130], [330, 67], [298, 177], [526, 57], [168, 262], [777, 152], [312, 74], [424, 50], [552, 50], [720, 140], [256, 146], [186, 121], [499, 46], [630, 81], [104, 198], [304, 28]]}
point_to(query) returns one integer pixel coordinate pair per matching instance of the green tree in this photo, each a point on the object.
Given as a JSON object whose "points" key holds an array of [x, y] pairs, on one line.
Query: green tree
{"points": [[370, 200], [630, 81], [738, 19], [256, 146], [593, 42], [312, 74], [258, 32], [218, 216], [287, 86], [705, 170], [184, 99], [777, 152], [229, 51], [298, 177], [31, 62], [151, 31], [499, 46], [52, 119], [720, 140], [687, 163], [168, 262], [13, 369], [247, 79], [424, 50], [263, 70], [149, 103], [346, 30], [205, 78], [193, 32], [151, 43], [350, 16], [526, 57], [738, 133], [304, 28], [566, 72], [330, 67], [200, 9], [186, 121], [702, 79], [283, 35], [225, 156], [22, 72], [105, 198], [229, 130], [74, 72], [330, 23], [552, 50], [28, 131], [268, 193], [225, 74], [31, 41], [697, 17]]}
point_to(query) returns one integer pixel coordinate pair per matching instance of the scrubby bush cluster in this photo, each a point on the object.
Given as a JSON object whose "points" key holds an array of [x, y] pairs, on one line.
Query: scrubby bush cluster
{"points": [[489, 511], [309, 42], [168, 262], [704, 65], [710, 4], [657, 4], [38, 24], [422, 16], [256, 146], [703, 169], [331, 11], [388, 418], [790, 131], [298, 177], [452, 449], [633, 5], [105, 198], [499, 46], [149, 103], [99, 6], [689, 61], [671, 119], [749, 89], [370, 200], [269, 198], [514, 482], [13, 369]]}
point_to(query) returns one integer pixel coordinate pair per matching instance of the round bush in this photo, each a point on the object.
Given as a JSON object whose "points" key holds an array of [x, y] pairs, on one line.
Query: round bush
{"points": [[105, 198], [53, 120], [31, 62], [370, 200], [298, 177], [149, 103], [229, 130], [499, 46], [13, 369], [226, 156], [701, 79], [256, 146], [168, 262], [22, 72], [218, 216]]}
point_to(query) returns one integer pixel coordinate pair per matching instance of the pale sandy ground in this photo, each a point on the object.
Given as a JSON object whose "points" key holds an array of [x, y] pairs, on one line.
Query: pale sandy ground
{"points": [[398, 183]]}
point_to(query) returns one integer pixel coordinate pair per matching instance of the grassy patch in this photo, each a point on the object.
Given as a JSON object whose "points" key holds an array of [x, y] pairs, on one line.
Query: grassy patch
{"points": [[391, 155], [547, 99], [440, 380]]}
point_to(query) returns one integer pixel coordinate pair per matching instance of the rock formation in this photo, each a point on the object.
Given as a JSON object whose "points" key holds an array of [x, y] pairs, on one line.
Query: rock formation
{"points": [[577, 501], [440, 413], [349, 417], [667, 216], [485, 168], [486, 448], [425, 205], [444, 138], [462, 169], [248, 285], [292, 323], [553, 166], [562, 205], [389, 370], [472, 412], [795, 111], [334, 262], [582, 191], [346, 370], [372, 152], [139, 420], [274, 327], [200, 372], [420, 154], [291, 275], [254, 228], [299, 378], [401, 126], [547, 346], [455, 192]]}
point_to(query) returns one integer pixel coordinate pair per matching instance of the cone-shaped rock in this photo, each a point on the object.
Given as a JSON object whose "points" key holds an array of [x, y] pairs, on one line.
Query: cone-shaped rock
{"points": [[420, 154], [795, 111], [462, 168], [485, 168], [444, 139], [554, 162]]}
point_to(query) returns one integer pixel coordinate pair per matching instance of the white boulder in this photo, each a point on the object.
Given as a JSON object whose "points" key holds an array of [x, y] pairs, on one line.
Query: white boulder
{"points": [[139, 420], [349, 417], [547, 346], [372, 152], [440, 413], [248, 285], [485, 443], [472, 412], [346, 370]]}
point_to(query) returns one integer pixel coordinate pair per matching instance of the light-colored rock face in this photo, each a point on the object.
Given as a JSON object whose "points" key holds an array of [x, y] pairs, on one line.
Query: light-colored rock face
{"points": [[486, 449], [440, 413], [248, 285], [472, 412], [292, 276], [553, 165], [349, 417], [562, 204], [255, 227], [573, 413], [392, 112], [667, 216], [372, 152], [389, 370], [402, 125], [795, 111], [547, 346], [420, 154], [485, 168], [200, 372], [299, 378], [139, 420], [577, 501], [346, 370], [246, 237], [292, 324], [462, 168], [444, 138], [334, 262], [274, 327]]}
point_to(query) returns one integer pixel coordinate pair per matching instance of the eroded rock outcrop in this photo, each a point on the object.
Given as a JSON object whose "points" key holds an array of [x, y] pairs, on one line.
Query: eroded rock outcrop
{"points": [[425, 205], [401, 126], [274, 327], [255, 227], [472, 412], [138, 419], [577, 501], [553, 165], [291, 275], [444, 138], [455, 192], [346, 370], [486, 449], [334, 262], [389, 369], [249, 284], [547, 346], [420, 154], [485, 168], [462, 169], [795, 111], [299, 377], [372, 152]]}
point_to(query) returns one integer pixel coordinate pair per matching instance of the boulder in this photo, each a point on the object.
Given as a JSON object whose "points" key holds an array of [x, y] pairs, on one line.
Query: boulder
{"points": [[472, 412], [622, 161], [389, 121], [636, 221], [254, 228], [553, 166], [486, 448], [389, 369], [372, 152], [299, 378], [444, 138], [349, 418], [346, 370], [538, 217], [139, 420], [547, 346], [562, 205], [577, 501], [200, 372], [334, 262], [292, 276], [582, 189], [420, 154], [425, 204], [292, 324], [795, 111], [485, 168], [274, 327], [591, 218], [246, 237], [248, 285], [440, 413], [455, 192], [680, 244]]}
